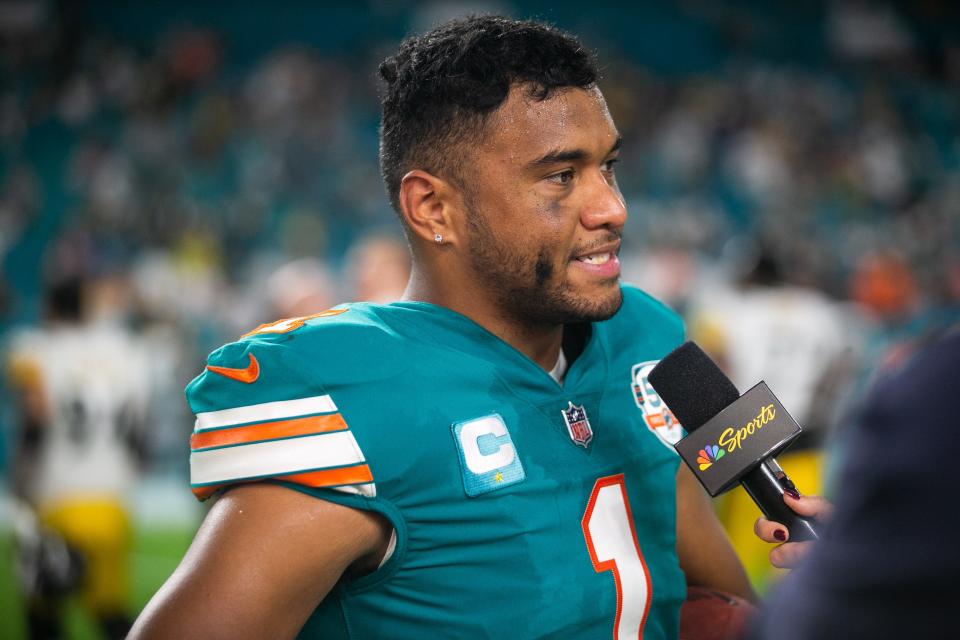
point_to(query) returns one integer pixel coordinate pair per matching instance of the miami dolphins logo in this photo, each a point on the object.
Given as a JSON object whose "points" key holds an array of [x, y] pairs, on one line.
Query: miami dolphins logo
{"points": [[658, 418]]}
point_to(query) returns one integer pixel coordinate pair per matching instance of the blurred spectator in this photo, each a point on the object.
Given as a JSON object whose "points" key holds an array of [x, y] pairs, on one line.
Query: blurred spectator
{"points": [[803, 345], [861, 29], [378, 267], [794, 338], [300, 288], [82, 387], [885, 288]]}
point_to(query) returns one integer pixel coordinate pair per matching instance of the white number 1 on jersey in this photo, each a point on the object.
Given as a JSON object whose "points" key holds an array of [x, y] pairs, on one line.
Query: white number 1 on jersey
{"points": [[612, 543]]}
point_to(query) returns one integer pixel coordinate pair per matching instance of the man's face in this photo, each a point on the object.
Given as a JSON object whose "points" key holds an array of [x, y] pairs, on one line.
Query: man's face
{"points": [[544, 213]]}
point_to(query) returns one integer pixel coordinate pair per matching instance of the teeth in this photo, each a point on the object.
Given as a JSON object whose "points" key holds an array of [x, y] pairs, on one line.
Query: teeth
{"points": [[597, 258]]}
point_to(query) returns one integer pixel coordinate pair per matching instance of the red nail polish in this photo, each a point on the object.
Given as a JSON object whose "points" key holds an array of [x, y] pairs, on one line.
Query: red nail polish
{"points": [[780, 535], [793, 493]]}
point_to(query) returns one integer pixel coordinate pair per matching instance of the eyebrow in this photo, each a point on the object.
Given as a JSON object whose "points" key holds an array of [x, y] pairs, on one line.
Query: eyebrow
{"points": [[569, 155]]}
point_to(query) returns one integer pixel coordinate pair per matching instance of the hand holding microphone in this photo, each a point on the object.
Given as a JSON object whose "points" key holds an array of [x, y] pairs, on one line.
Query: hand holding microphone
{"points": [[732, 438], [789, 553]]}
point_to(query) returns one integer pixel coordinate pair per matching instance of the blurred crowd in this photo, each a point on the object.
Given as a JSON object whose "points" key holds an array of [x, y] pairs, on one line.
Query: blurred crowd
{"points": [[195, 168], [805, 177]]}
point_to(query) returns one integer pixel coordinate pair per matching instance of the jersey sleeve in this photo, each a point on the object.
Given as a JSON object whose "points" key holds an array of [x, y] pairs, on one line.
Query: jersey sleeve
{"points": [[262, 415]]}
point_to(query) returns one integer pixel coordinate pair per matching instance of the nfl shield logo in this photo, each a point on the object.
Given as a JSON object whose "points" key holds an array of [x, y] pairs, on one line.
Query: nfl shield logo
{"points": [[578, 426]]}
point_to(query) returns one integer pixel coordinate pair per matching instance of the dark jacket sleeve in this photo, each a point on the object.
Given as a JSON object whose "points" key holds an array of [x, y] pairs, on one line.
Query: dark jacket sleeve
{"points": [[888, 563]]}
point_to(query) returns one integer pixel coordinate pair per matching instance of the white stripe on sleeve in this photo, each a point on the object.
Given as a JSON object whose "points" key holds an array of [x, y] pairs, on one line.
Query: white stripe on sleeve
{"points": [[264, 412], [274, 457]]}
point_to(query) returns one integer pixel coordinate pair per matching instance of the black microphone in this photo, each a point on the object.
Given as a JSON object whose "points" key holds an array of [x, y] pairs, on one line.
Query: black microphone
{"points": [[730, 438]]}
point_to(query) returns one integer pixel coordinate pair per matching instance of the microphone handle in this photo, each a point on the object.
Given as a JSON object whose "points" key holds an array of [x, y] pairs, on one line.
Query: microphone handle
{"points": [[767, 489]]}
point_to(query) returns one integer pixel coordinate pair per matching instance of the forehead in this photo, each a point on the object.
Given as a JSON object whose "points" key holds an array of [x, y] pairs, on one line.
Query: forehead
{"points": [[524, 128]]}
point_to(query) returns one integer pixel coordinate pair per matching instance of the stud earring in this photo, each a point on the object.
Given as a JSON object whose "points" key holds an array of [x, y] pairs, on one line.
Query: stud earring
{"points": [[438, 239]]}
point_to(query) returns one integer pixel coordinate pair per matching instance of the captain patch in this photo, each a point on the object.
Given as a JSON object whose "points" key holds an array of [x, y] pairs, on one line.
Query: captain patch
{"points": [[488, 458]]}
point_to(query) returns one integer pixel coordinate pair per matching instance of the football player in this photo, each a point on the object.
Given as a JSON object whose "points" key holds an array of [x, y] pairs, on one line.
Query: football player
{"points": [[475, 461], [83, 392]]}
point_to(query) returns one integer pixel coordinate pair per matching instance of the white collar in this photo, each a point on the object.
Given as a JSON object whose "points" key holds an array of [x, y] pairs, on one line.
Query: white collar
{"points": [[560, 369]]}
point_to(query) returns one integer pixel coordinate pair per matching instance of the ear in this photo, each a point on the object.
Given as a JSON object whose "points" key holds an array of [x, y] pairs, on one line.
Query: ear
{"points": [[427, 203]]}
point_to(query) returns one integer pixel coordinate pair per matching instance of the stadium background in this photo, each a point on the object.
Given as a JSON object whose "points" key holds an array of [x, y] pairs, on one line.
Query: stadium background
{"points": [[186, 157]]}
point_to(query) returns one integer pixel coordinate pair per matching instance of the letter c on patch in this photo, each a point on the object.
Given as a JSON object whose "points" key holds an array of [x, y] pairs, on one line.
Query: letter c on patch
{"points": [[476, 461]]}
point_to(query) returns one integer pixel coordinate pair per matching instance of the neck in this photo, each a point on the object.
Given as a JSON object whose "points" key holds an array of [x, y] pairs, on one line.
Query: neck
{"points": [[539, 342]]}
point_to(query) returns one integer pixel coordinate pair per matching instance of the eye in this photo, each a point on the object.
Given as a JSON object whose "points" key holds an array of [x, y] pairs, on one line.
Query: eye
{"points": [[608, 166], [562, 178]]}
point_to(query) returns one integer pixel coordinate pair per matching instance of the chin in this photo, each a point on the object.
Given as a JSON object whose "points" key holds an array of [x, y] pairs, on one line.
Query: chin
{"points": [[565, 304], [599, 307]]}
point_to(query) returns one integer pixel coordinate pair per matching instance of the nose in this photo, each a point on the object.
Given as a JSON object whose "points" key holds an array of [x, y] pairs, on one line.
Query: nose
{"points": [[604, 205]]}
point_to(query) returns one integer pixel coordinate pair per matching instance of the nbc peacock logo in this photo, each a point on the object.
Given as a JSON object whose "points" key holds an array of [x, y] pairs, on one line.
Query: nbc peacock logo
{"points": [[708, 455]]}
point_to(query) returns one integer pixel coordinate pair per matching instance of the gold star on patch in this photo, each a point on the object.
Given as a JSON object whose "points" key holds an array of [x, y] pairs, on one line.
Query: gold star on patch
{"points": [[498, 477]]}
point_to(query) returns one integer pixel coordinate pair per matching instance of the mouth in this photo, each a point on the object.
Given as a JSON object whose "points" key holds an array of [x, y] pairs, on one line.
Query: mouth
{"points": [[600, 261], [597, 258]]}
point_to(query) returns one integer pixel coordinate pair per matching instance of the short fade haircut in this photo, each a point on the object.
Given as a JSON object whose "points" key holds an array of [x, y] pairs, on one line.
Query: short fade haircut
{"points": [[442, 85]]}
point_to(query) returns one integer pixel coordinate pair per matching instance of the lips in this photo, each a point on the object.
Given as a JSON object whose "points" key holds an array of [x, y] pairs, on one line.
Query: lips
{"points": [[600, 261], [597, 258]]}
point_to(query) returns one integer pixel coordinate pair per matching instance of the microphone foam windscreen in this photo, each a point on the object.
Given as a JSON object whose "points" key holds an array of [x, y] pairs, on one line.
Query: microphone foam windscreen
{"points": [[692, 385]]}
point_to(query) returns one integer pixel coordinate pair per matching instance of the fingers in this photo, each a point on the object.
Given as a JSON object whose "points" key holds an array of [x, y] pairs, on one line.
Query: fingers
{"points": [[809, 506], [783, 556], [770, 531], [788, 556]]}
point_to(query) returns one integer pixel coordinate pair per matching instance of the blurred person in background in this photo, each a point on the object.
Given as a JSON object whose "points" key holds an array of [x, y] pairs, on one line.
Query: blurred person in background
{"points": [[300, 288], [82, 384], [797, 340], [885, 289], [766, 328], [378, 268]]}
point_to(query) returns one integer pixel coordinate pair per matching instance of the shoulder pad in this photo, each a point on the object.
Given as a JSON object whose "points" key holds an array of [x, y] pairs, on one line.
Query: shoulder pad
{"points": [[263, 410]]}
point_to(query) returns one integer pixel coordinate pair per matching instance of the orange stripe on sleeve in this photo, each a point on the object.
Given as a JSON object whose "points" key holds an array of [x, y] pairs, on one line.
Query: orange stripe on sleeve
{"points": [[323, 478], [267, 431], [331, 477]]}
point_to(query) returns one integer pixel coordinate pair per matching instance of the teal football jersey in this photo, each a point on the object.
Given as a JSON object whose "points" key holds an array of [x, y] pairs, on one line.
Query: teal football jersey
{"points": [[522, 508]]}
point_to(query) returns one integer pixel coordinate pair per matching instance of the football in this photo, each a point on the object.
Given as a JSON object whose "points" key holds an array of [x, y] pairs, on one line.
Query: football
{"points": [[708, 614]]}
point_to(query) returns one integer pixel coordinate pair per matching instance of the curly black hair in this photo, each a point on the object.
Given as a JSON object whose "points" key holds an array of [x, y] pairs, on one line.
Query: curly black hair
{"points": [[442, 85]]}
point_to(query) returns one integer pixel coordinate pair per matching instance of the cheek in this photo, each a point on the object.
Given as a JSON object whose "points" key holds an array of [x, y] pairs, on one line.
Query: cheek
{"points": [[540, 230], [553, 216], [552, 209], [543, 270], [556, 228], [553, 246]]}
